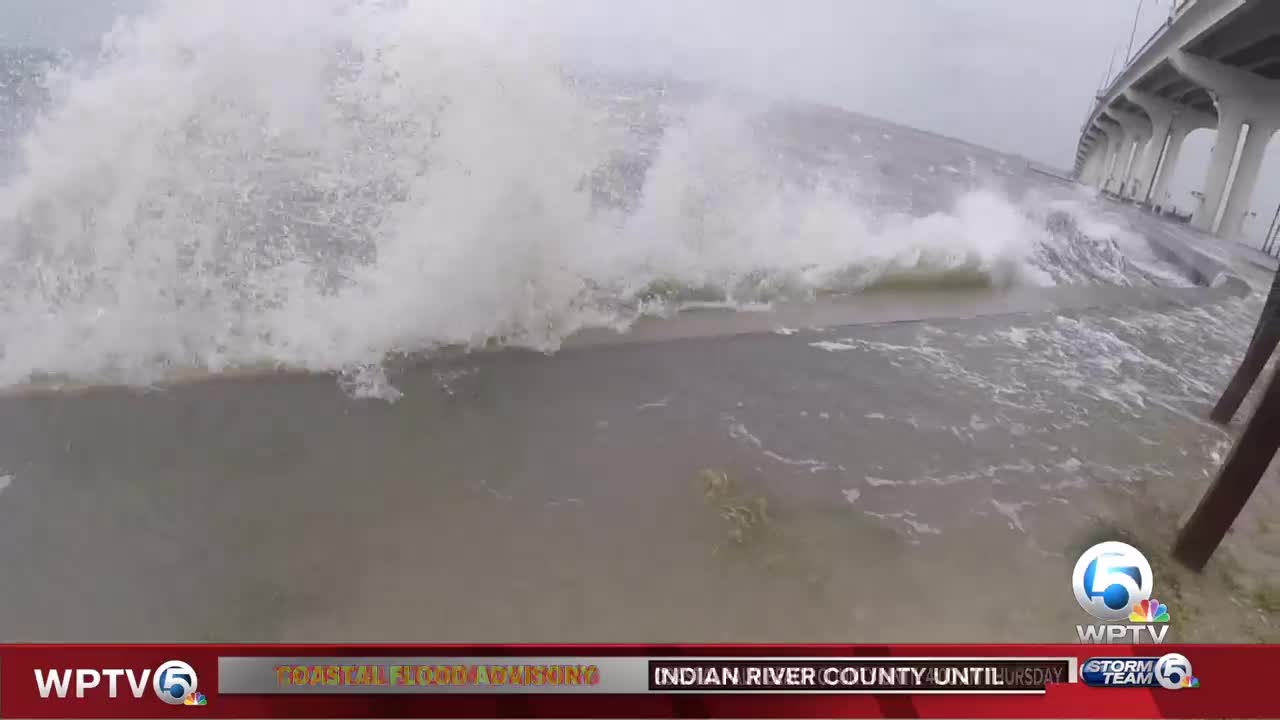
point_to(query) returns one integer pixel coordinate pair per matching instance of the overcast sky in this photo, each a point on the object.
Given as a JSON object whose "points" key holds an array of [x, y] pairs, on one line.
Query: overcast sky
{"points": [[1016, 75], [1013, 74]]}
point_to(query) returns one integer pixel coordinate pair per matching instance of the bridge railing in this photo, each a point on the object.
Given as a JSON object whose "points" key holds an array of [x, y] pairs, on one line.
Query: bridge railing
{"points": [[1157, 33], [1176, 11]]}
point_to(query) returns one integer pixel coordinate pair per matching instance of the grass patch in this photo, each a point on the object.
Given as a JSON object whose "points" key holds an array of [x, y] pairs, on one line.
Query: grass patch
{"points": [[744, 514], [1266, 599]]}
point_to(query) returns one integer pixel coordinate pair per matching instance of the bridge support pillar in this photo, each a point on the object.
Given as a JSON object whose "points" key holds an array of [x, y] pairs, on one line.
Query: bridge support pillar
{"points": [[1119, 161], [1116, 142], [1185, 121], [1124, 164], [1112, 167], [1160, 188], [1119, 165], [1095, 168], [1106, 149], [1089, 172], [1087, 160], [1088, 164], [1230, 125], [1242, 97], [1238, 202], [1145, 170], [1164, 115], [1137, 132]]}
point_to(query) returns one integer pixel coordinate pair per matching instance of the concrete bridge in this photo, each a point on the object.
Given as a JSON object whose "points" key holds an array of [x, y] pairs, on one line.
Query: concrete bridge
{"points": [[1213, 64]]}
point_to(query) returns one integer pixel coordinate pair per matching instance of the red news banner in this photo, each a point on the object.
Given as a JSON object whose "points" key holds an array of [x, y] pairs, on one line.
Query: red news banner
{"points": [[854, 681]]}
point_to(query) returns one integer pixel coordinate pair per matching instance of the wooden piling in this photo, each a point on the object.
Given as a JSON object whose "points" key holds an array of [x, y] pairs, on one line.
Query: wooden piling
{"points": [[1265, 338], [1236, 481], [1264, 344]]}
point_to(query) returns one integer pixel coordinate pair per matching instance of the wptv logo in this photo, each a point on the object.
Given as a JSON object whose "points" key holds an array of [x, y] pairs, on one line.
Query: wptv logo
{"points": [[174, 682], [1113, 582]]}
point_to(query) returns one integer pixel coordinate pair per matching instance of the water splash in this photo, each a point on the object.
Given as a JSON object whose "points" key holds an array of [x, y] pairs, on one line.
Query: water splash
{"points": [[320, 185]]}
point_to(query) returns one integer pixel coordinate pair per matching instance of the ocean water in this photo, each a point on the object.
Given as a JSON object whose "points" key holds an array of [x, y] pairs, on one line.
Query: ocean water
{"points": [[538, 310], [401, 178]]}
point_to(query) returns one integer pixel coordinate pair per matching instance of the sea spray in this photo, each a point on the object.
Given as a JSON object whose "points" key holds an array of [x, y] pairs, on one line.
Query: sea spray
{"points": [[320, 185]]}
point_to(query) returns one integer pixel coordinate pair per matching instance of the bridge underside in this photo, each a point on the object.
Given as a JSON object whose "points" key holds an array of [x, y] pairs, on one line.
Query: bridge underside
{"points": [[1215, 64]]}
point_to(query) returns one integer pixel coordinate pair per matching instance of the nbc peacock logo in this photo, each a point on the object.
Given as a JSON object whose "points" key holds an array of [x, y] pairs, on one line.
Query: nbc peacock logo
{"points": [[1149, 611]]}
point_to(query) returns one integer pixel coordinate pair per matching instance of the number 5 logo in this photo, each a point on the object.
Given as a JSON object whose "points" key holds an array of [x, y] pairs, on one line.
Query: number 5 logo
{"points": [[1173, 672], [1109, 578], [173, 681]]}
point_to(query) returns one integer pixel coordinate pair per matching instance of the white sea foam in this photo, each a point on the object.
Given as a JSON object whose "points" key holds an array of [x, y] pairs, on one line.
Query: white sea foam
{"points": [[1012, 512], [739, 432], [832, 346], [655, 404]]}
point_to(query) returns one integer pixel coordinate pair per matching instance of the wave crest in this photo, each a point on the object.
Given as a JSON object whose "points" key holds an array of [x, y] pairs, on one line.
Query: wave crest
{"points": [[319, 185]]}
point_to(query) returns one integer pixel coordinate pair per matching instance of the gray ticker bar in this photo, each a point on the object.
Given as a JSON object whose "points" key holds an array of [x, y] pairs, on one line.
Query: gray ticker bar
{"points": [[401, 675]]}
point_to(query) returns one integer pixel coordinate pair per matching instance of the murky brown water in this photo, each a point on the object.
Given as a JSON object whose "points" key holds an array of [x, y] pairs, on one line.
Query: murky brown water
{"points": [[923, 481]]}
